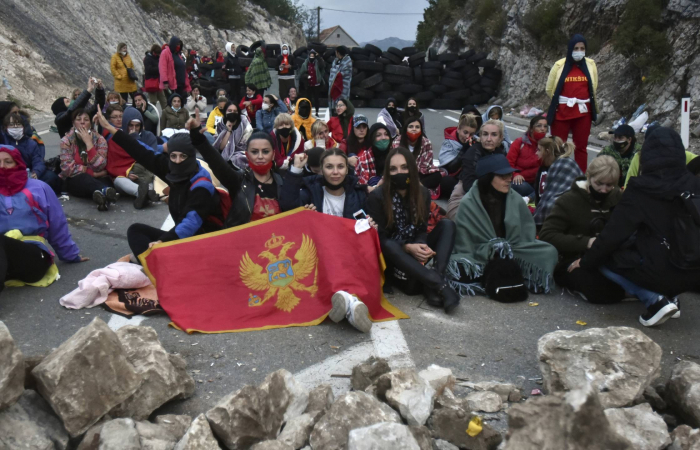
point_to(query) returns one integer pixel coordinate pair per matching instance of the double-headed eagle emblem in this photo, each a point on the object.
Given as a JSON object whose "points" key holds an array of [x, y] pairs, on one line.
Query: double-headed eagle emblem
{"points": [[281, 275]]}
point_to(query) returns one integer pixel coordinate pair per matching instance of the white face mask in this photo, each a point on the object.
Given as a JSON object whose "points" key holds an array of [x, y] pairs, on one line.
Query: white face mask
{"points": [[113, 103], [16, 133], [265, 106], [176, 109], [578, 56], [285, 52], [124, 53]]}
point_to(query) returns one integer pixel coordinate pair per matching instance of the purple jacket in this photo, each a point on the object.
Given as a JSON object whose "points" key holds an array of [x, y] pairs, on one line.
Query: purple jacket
{"points": [[46, 219]]}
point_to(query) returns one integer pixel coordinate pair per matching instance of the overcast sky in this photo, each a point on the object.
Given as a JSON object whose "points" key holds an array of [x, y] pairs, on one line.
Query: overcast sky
{"points": [[367, 27]]}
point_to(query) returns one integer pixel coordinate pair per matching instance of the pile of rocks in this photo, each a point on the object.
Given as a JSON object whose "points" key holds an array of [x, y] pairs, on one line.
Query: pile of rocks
{"points": [[99, 389]]}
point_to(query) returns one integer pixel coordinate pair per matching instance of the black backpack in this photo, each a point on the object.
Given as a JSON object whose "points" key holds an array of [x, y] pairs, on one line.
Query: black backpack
{"points": [[685, 232]]}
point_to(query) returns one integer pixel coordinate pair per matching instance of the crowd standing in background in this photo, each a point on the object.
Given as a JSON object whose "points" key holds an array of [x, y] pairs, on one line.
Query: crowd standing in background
{"points": [[523, 215]]}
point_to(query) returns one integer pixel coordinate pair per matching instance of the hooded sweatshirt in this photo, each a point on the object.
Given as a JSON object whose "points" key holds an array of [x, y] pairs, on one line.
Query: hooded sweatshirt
{"points": [[485, 118], [284, 73], [166, 64], [300, 122]]}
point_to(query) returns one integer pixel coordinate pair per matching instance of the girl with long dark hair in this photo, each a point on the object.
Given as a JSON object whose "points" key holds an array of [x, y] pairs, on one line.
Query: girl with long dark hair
{"points": [[413, 138]]}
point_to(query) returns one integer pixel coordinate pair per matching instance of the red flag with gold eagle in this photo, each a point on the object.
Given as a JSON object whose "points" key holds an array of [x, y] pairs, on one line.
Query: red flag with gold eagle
{"points": [[276, 272]]}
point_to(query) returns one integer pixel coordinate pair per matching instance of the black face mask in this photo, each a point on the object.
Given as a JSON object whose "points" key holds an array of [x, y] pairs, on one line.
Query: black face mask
{"points": [[411, 109], [391, 110], [235, 118], [304, 110], [332, 187], [284, 132], [311, 58], [619, 146], [182, 171], [598, 196], [400, 181]]}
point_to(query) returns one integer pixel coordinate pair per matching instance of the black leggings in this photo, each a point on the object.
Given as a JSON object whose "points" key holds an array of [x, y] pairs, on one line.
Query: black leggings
{"points": [[447, 185], [140, 235], [21, 261], [312, 94], [431, 180], [125, 96], [83, 185], [441, 240]]}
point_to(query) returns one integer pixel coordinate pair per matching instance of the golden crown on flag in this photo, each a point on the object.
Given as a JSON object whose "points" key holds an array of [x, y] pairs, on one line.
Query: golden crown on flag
{"points": [[274, 242]]}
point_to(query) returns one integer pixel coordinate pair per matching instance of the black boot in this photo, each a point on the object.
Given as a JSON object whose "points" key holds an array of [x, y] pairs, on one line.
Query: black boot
{"points": [[450, 298], [432, 297]]}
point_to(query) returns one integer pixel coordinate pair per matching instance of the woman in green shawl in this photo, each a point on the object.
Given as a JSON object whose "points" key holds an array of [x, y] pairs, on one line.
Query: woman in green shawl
{"points": [[493, 221], [258, 73]]}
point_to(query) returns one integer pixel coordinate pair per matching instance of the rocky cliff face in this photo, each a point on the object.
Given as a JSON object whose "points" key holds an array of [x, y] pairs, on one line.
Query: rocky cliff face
{"points": [[526, 63], [48, 45]]}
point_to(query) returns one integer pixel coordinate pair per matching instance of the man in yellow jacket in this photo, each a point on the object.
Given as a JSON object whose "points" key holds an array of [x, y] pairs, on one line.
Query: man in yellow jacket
{"points": [[572, 86], [121, 61]]}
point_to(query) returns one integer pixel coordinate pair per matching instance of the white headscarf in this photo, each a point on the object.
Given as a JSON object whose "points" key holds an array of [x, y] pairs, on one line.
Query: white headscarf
{"points": [[229, 48]]}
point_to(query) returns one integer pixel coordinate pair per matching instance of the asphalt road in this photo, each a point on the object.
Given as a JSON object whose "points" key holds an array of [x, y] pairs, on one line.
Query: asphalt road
{"points": [[482, 340]]}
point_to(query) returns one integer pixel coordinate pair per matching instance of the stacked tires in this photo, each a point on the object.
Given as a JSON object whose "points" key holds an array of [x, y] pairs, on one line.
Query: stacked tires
{"points": [[440, 81]]}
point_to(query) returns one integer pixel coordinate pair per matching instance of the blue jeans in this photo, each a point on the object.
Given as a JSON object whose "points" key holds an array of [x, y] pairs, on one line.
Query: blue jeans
{"points": [[209, 136], [646, 296], [525, 189]]}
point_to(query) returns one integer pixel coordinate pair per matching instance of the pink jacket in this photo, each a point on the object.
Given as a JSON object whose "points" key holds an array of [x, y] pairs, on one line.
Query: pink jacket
{"points": [[166, 67]]}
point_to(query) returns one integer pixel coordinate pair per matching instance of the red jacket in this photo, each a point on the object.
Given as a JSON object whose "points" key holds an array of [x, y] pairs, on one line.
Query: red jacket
{"points": [[119, 162], [523, 156], [337, 130], [255, 104]]}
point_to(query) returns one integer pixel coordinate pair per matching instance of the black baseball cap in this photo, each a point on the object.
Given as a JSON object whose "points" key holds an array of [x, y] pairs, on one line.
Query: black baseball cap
{"points": [[497, 164]]}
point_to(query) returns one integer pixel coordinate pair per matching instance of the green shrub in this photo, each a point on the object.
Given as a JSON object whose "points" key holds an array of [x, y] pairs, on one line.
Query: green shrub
{"points": [[543, 22], [438, 15], [489, 20], [641, 37]]}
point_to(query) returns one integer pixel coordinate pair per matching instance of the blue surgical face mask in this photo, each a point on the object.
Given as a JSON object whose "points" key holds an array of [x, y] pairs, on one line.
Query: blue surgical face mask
{"points": [[176, 109], [578, 56]]}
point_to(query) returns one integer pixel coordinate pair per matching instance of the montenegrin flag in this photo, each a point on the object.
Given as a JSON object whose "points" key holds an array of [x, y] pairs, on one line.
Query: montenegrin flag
{"points": [[276, 272]]}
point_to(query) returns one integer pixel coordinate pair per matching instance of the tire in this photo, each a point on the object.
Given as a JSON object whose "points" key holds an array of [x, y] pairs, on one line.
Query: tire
{"points": [[275, 49], [245, 62], [383, 86], [417, 56], [409, 51], [271, 62], [433, 65], [330, 53], [438, 89], [474, 79], [360, 103], [488, 82], [470, 70], [299, 61], [482, 98], [398, 79], [424, 96], [476, 89], [416, 63], [489, 90], [242, 51], [358, 78], [430, 72], [457, 64], [467, 54], [409, 88], [455, 75], [444, 103], [372, 81], [362, 93], [452, 83], [369, 66], [476, 57], [398, 96], [399, 70], [446, 57], [392, 57], [488, 63], [256, 44], [461, 94], [494, 74], [359, 51], [373, 49], [432, 54], [418, 75], [395, 51], [359, 57], [299, 51], [383, 60], [377, 103], [429, 81], [319, 47]]}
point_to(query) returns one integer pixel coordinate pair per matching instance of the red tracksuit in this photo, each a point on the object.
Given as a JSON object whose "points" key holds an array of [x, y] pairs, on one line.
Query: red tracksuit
{"points": [[571, 119]]}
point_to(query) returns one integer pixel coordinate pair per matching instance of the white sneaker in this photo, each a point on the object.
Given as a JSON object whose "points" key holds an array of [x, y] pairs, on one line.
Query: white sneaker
{"points": [[346, 306]]}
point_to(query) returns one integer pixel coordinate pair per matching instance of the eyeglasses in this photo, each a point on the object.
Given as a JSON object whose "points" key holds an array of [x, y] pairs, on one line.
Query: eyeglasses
{"points": [[116, 117]]}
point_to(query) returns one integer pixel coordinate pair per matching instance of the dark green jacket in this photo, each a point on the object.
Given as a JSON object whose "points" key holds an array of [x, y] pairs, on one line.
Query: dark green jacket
{"points": [[622, 161], [575, 219]]}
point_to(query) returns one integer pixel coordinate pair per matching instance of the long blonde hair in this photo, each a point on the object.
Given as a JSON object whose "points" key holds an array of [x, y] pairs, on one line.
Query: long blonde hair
{"points": [[555, 148]]}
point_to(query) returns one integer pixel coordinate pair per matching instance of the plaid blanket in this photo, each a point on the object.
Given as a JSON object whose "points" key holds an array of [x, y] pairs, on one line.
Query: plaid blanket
{"points": [[560, 177]]}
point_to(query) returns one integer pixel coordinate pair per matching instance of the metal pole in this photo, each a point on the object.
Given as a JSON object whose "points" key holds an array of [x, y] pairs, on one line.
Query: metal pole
{"points": [[318, 22], [685, 119]]}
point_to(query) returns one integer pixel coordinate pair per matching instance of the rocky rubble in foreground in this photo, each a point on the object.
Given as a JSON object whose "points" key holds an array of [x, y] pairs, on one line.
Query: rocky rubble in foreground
{"points": [[100, 388]]}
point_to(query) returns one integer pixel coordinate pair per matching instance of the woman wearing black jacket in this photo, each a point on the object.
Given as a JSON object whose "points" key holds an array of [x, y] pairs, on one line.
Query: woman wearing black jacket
{"points": [[254, 191], [64, 113], [401, 207], [636, 246], [151, 77], [193, 201], [233, 69], [334, 192]]}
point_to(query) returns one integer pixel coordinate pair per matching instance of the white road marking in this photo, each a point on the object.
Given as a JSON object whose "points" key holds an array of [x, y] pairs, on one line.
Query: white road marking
{"points": [[168, 224], [459, 113], [387, 342], [431, 110], [41, 133], [451, 118], [117, 321]]}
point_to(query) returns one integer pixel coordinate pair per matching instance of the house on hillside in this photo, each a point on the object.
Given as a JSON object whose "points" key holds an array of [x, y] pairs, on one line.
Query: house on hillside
{"points": [[335, 36]]}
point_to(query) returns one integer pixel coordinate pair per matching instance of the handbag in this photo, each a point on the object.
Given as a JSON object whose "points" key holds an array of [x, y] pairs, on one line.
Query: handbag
{"points": [[131, 73]]}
